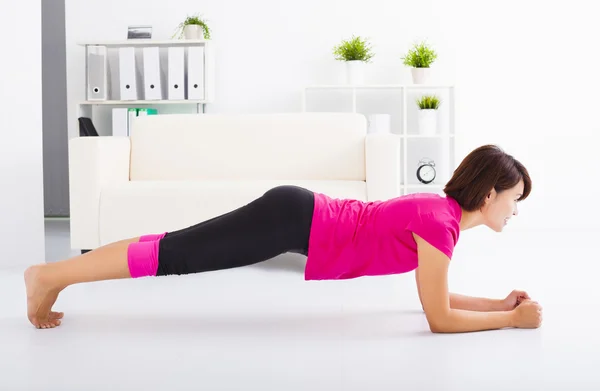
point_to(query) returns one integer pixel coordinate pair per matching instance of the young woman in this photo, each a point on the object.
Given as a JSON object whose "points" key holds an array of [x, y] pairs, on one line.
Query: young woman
{"points": [[342, 239]]}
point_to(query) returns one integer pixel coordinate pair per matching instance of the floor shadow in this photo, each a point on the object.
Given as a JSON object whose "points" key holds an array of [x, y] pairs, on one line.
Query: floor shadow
{"points": [[371, 325], [289, 263]]}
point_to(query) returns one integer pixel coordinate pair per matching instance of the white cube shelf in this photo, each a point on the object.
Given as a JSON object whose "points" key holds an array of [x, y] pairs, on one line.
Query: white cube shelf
{"points": [[399, 101]]}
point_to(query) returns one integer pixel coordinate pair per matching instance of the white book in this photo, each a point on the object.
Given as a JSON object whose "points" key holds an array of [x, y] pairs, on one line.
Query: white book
{"points": [[195, 72], [132, 116], [120, 122], [152, 82], [127, 74], [176, 73]]}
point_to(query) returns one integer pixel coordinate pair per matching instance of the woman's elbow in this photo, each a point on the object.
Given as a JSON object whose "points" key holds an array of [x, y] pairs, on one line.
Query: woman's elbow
{"points": [[438, 324], [437, 329]]}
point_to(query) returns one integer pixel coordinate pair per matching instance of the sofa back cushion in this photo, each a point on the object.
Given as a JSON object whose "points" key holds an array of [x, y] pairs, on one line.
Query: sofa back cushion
{"points": [[290, 146]]}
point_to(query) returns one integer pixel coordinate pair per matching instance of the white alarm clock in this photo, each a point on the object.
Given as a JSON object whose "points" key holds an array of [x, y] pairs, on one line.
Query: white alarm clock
{"points": [[426, 171]]}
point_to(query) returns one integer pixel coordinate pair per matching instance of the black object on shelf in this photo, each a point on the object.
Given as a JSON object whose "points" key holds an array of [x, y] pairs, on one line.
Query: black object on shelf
{"points": [[86, 127]]}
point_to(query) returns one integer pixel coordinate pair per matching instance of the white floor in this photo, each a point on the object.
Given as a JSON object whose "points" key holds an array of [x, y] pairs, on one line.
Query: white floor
{"points": [[264, 328]]}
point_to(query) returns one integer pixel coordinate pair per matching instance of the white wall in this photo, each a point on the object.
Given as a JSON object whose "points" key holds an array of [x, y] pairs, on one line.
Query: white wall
{"points": [[526, 72], [21, 194]]}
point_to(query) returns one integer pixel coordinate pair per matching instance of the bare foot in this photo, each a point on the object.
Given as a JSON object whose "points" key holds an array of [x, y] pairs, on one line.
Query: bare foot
{"points": [[41, 296]]}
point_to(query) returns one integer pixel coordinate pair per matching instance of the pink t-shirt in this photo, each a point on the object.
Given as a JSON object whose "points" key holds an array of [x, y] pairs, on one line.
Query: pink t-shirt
{"points": [[351, 238]]}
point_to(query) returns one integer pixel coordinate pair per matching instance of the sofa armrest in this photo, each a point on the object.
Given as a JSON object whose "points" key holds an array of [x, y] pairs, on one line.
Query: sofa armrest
{"points": [[93, 163], [382, 166]]}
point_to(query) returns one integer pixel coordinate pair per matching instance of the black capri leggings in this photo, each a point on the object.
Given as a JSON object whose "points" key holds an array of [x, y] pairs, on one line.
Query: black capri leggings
{"points": [[277, 222]]}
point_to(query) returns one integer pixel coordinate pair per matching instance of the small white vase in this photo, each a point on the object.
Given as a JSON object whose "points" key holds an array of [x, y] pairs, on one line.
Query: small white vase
{"points": [[193, 31], [427, 122], [355, 72], [420, 75], [379, 123]]}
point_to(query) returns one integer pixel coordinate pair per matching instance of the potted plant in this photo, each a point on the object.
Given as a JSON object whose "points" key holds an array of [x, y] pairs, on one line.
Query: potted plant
{"points": [[356, 52], [428, 106], [420, 57], [193, 27]]}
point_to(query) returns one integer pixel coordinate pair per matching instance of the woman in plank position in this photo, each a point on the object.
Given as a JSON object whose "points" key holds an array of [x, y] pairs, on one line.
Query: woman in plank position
{"points": [[342, 239]]}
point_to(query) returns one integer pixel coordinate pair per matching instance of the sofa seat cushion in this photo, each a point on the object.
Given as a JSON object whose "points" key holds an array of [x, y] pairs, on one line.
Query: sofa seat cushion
{"points": [[136, 208]]}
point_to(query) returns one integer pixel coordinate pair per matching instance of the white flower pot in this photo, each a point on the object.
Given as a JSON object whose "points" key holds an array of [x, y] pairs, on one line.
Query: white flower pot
{"points": [[379, 123], [428, 122], [193, 31], [420, 75], [355, 72]]}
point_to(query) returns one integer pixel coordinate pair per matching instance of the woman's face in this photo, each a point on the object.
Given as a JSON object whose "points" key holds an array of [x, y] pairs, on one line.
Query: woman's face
{"points": [[500, 207]]}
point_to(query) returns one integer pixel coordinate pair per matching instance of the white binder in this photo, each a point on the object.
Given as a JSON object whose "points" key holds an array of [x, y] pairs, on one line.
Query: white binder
{"points": [[127, 74], [152, 82], [176, 73], [195, 72], [97, 73]]}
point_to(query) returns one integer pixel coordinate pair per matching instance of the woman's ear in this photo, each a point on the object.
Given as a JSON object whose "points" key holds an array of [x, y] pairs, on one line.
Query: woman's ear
{"points": [[490, 196]]}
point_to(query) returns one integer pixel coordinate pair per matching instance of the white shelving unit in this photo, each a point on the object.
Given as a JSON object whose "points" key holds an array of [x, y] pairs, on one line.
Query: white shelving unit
{"points": [[444, 142], [147, 42], [88, 108]]}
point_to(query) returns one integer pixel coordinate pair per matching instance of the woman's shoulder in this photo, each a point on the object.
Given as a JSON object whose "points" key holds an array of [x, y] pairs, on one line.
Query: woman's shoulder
{"points": [[433, 217]]}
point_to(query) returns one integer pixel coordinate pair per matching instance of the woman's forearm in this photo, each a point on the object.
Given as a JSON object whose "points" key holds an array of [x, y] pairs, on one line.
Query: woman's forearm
{"points": [[461, 321], [462, 302]]}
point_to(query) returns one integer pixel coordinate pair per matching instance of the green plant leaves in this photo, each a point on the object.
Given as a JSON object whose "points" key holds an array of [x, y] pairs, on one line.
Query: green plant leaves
{"points": [[428, 102], [420, 56], [354, 49]]}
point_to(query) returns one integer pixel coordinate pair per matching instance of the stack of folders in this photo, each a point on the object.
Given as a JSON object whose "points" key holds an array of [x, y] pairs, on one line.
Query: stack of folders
{"points": [[184, 76], [123, 119]]}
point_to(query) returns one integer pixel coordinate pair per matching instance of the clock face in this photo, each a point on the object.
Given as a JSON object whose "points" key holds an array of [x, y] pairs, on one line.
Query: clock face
{"points": [[426, 173]]}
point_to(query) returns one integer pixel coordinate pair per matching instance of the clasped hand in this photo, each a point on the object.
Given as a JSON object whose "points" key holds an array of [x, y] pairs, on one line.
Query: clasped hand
{"points": [[526, 312]]}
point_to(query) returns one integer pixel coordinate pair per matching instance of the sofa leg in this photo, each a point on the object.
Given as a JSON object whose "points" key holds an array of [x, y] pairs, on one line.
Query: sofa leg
{"points": [[85, 251]]}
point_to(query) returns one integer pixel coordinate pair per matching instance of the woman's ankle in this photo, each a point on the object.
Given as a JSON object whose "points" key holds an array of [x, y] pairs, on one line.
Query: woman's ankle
{"points": [[53, 276]]}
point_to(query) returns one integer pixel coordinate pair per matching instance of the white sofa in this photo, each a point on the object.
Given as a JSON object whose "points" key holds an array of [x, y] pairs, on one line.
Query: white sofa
{"points": [[177, 170]]}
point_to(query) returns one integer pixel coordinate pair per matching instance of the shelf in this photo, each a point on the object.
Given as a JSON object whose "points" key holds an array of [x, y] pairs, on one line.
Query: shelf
{"points": [[423, 186], [378, 86], [419, 136], [143, 102], [146, 42]]}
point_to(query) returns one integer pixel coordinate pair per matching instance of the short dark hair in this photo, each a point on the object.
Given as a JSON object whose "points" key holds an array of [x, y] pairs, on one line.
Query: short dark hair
{"points": [[483, 169]]}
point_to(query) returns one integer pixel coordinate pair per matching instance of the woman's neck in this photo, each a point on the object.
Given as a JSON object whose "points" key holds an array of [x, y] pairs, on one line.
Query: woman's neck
{"points": [[470, 219]]}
